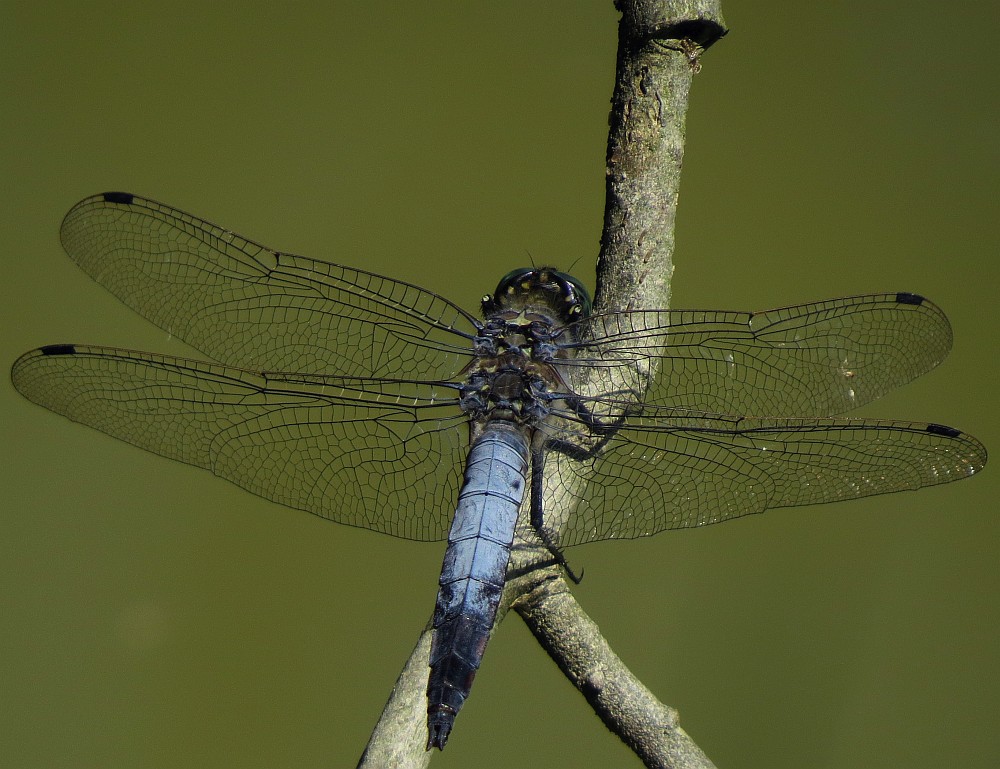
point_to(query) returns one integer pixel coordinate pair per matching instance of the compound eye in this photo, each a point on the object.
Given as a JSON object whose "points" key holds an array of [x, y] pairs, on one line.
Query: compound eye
{"points": [[577, 294], [508, 283]]}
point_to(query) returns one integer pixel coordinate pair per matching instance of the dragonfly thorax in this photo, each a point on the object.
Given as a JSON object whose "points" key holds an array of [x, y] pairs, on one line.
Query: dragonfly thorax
{"points": [[528, 338], [508, 390]]}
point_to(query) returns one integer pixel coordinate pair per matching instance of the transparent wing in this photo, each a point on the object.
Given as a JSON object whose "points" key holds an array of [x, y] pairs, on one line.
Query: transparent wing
{"points": [[669, 468], [249, 306], [812, 360], [379, 454]]}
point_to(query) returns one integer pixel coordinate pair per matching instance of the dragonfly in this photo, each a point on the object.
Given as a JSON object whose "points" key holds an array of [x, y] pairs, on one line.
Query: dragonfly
{"points": [[375, 403]]}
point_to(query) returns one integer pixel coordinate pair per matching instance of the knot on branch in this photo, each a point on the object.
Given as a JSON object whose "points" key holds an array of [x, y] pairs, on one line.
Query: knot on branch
{"points": [[700, 21], [701, 32]]}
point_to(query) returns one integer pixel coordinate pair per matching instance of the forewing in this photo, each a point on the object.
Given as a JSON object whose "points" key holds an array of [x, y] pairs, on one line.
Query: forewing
{"points": [[249, 306], [670, 469], [382, 455], [812, 360]]}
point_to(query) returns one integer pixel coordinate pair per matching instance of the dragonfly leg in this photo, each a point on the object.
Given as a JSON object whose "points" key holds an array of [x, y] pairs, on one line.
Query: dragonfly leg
{"points": [[606, 431], [537, 517]]}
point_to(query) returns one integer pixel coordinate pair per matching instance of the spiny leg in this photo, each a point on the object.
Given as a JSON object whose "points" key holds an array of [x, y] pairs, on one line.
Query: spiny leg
{"points": [[537, 516], [606, 431]]}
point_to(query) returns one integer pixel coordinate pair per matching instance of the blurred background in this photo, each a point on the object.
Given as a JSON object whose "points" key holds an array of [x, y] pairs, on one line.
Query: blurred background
{"points": [[155, 616]]}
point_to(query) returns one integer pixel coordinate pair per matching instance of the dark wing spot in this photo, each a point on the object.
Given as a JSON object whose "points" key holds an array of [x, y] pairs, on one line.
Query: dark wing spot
{"points": [[119, 197], [58, 349], [947, 432], [905, 297]]}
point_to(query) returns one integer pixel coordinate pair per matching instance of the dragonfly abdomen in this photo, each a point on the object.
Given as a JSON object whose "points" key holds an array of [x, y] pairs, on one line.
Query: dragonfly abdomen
{"points": [[474, 570]]}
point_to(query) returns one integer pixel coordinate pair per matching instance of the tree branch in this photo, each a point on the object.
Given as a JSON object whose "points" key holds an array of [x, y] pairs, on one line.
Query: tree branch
{"points": [[659, 44], [399, 739], [626, 707], [658, 48]]}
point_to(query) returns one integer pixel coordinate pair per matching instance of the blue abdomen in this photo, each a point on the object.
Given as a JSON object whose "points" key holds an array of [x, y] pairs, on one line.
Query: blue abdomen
{"points": [[474, 570]]}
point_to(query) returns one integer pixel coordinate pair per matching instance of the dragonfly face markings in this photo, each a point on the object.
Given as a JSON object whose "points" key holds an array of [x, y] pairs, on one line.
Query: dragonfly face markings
{"points": [[375, 403]]}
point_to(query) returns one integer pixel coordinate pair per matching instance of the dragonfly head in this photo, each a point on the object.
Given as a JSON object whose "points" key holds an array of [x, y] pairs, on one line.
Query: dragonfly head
{"points": [[539, 288]]}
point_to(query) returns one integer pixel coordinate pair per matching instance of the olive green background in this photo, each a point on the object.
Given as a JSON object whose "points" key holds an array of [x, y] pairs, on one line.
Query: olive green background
{"points": [[155, 616]]}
